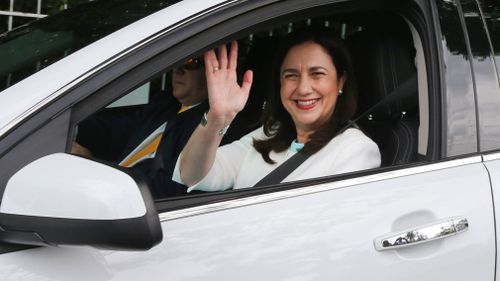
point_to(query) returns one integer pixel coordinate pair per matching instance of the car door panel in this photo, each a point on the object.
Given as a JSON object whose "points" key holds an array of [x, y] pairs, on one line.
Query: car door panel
{"points": [[329, 234], [319, 236], [492, 163]]}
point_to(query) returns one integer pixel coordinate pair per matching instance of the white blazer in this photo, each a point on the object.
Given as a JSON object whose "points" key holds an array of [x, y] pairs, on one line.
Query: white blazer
{"points": [[239, 165]]}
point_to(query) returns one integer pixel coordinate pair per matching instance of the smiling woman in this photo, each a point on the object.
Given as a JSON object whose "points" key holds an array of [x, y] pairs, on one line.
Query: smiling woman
{"points": [[310, 87], [313, 68], [327, 74]]}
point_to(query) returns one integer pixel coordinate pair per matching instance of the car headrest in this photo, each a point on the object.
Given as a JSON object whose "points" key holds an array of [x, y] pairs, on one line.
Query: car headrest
{"points": [[383, 60]]}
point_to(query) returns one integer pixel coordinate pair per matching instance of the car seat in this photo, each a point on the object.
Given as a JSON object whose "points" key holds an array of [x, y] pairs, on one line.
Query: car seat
{"points": [[383, 60]]}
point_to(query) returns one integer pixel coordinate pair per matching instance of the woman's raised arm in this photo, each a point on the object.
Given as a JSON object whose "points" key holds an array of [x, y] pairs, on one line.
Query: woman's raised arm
{"points": [[226, 98]]}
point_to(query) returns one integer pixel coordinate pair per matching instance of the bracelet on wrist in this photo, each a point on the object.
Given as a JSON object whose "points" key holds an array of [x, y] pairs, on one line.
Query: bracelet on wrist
{"points": [[204, 122]]}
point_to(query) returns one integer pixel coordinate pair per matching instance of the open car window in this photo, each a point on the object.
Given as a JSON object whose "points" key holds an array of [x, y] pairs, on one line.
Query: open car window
{"points": [[392, 97]]}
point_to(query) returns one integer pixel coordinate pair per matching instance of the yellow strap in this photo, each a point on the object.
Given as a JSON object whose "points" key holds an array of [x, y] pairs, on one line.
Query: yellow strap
{"points": [[183, 108], [150, 148]]}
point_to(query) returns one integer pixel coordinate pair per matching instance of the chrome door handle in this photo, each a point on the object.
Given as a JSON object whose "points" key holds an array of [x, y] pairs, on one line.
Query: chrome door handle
{"points": [[422, 234]]}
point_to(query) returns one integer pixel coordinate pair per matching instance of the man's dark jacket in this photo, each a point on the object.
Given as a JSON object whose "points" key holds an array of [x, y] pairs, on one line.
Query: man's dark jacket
{"points": [[112, 134]]}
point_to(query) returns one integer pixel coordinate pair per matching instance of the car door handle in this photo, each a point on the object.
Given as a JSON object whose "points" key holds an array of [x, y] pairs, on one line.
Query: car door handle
{"points": [[422, 234]]}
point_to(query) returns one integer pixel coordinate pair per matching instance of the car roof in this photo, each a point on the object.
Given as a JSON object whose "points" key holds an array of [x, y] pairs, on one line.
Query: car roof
{"points": [[23, 98]]}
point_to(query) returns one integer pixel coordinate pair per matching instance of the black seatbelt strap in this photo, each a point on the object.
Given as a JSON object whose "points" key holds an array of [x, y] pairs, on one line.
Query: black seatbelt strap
{"points": [[283, 170], [406, 89]]}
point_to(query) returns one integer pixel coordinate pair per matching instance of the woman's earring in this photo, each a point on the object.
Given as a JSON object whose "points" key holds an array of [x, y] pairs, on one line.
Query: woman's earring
{"points": [[340, 92]]}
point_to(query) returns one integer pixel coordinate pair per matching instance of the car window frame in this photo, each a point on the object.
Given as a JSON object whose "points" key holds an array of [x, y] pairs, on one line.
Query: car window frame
{"points": [[485, 75], [113, 81], [182, 51], [36, 119]]}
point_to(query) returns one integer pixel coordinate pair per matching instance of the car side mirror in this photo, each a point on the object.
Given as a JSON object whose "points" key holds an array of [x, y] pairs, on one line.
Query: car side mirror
{"points": [[63, 199]]}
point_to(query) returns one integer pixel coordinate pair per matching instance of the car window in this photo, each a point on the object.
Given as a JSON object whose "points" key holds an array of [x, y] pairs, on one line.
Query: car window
{"points": [[137, 97], [392, 125], [30, 48], [149, 92]]}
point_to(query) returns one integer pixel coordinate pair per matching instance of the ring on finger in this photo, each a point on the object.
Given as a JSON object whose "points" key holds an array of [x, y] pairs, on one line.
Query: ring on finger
{"points": [[216, 68]]}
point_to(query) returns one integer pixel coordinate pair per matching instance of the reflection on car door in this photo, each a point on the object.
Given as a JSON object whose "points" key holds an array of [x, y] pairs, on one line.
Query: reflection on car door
{"points": [[329, 235], [326, 235]]}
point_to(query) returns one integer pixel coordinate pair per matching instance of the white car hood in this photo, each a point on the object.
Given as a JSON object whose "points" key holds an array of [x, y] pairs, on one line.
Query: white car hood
{"points": [[18, 101]]}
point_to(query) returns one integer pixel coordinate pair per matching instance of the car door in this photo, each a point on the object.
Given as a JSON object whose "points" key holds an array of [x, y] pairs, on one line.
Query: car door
{"points": [[332, 227], [482, 24]]}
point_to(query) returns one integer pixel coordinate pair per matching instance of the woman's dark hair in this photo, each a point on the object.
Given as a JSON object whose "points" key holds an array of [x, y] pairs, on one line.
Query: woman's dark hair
{"points": [[277, 122]]}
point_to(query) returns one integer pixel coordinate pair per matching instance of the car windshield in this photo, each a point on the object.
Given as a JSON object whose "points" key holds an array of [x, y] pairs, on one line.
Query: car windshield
{"points": [[31, 47]]}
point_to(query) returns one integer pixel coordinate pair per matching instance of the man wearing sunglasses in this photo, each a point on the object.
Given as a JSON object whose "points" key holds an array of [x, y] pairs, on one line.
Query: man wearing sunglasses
{"points": [[188, 82], [150, 139]]}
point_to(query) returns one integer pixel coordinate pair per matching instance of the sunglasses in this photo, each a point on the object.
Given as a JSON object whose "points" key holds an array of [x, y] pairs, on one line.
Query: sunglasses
{"points": [[193, 64]]}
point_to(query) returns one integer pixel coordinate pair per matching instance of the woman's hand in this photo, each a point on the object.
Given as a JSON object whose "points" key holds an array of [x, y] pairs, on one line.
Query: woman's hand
{"points": [[226, 97]]}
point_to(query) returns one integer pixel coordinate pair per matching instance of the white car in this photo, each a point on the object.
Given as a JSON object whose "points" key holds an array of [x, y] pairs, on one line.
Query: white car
{"points": [[429, 96]]}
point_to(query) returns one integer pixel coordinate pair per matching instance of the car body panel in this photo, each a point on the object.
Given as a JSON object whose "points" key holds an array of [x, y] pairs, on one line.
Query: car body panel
{"points": [[492, 163], [485, 77], [319, 236], [458, 102]]}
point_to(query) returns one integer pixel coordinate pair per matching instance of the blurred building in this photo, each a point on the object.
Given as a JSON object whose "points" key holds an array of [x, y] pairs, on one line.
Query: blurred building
{"points": [[14, 13]]}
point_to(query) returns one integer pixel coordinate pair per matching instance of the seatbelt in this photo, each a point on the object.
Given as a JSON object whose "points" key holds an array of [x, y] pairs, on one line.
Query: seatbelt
{"points": [[282, 171], [403, 91]]}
